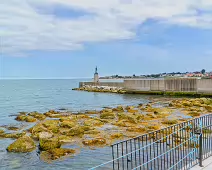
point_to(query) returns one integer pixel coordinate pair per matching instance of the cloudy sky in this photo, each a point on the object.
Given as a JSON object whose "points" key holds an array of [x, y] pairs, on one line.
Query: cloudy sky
{"points": [[68, 38]]}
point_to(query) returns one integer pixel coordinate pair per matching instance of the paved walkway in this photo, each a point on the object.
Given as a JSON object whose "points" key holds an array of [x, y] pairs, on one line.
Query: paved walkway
{"points": [[207, 165]]}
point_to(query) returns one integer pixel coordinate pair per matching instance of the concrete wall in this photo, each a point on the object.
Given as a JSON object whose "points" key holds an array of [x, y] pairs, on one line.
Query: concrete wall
{"points": [[110, 84], [181, 85], [142, 85], [169, 85], [204, 86]]}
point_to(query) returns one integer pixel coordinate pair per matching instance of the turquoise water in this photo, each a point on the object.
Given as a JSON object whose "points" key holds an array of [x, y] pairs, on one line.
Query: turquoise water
{"points": [[43, 95]]}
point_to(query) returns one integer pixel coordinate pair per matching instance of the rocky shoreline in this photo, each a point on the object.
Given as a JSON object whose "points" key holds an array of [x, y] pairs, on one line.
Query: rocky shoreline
{"points": [[103, 89], [91, 129]]}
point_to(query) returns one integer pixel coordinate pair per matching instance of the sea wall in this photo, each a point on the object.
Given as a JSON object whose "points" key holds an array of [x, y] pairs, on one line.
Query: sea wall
{"points": [[204, 86], [144, 84], [187, 86]]}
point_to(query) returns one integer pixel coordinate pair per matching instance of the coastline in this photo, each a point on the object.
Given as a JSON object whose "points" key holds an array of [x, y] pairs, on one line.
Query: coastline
{"points": [[98, 129]]}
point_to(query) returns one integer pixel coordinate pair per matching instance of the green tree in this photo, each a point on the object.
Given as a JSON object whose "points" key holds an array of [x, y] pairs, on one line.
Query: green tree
{"points": [[203, 71]]}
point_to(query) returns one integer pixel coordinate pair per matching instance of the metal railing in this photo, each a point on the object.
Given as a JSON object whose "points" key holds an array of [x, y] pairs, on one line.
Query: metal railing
{"points": [[180, 146]]}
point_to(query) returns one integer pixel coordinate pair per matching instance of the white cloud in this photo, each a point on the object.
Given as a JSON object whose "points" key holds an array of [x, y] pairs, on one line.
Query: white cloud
{"points": [[25, 28]]}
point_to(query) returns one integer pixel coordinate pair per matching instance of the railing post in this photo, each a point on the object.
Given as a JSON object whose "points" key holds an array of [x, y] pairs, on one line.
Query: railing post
{"points": [[200, 150]]}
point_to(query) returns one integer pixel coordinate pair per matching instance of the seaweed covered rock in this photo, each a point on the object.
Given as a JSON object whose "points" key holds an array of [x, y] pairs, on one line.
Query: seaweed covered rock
{"points": [[1, 131], [48, 144], [116, 136], [30, 119], [56, 153], [45, 135], [23, 144], [37, 115], [170, 122], [107, 115], [93, 122], [21, 117], [52, 125], [68, 124], [12, 135], [118, 109], [50, 113], [127, 117], [140, 129], [194, 114], [79, 130], [94, 142], [37, 129]]}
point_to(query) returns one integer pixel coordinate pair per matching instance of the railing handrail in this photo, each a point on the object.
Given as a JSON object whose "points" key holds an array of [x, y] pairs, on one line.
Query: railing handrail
{"points": [[180, 127]]}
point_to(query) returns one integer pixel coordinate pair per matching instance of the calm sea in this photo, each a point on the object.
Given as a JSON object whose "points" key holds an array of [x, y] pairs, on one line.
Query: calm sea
{"points": [[43, 95]]}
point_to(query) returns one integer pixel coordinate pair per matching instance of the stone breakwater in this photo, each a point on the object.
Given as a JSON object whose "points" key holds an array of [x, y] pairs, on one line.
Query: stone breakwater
{"points": [[49, 131], [104, 89]]}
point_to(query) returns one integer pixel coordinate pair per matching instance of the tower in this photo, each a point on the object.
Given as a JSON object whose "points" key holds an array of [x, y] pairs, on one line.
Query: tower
{"points": [[96, 76]]}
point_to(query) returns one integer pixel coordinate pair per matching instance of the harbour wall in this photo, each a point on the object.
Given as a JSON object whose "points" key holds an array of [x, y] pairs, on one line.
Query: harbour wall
{"points": [[190, 85]]}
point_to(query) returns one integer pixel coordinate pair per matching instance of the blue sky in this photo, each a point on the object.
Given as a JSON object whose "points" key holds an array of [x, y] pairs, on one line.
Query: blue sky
{"points": [[68, 38]]}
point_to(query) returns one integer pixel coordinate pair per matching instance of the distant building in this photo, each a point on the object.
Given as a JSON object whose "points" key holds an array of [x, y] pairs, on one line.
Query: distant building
{"points": [[96, 76]]}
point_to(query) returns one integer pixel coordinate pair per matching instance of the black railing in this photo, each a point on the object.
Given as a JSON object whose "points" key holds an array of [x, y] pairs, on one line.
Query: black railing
{"points": [[180, 146]]}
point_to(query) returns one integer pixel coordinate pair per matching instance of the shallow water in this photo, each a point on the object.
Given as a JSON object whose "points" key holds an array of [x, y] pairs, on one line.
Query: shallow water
{"points": [[43, 95]]}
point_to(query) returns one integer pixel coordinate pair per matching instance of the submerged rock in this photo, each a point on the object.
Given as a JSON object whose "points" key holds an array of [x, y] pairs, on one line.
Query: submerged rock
{"points": [[23, 144]]}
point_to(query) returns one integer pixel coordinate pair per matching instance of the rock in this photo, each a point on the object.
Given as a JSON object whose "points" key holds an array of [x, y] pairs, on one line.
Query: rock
{"points": [[118, 108], [128, 117], [23, 144], [79, 130], [151, 115], [107, 115], [45, 135], [93, 122], [129, 108], [35, 130], [21, 117], [194, 114], [140, 129], [94, 142], [68, 124], [30, 119], [170, 122], [116, 136], [65, 139], [1, 131], [12, 135], [107, 110], [91, 112], [208, 108], [23, 113], [48, 144], [13, 128], [37, 115], [56, 153], [52, 125], [132, 111]]}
